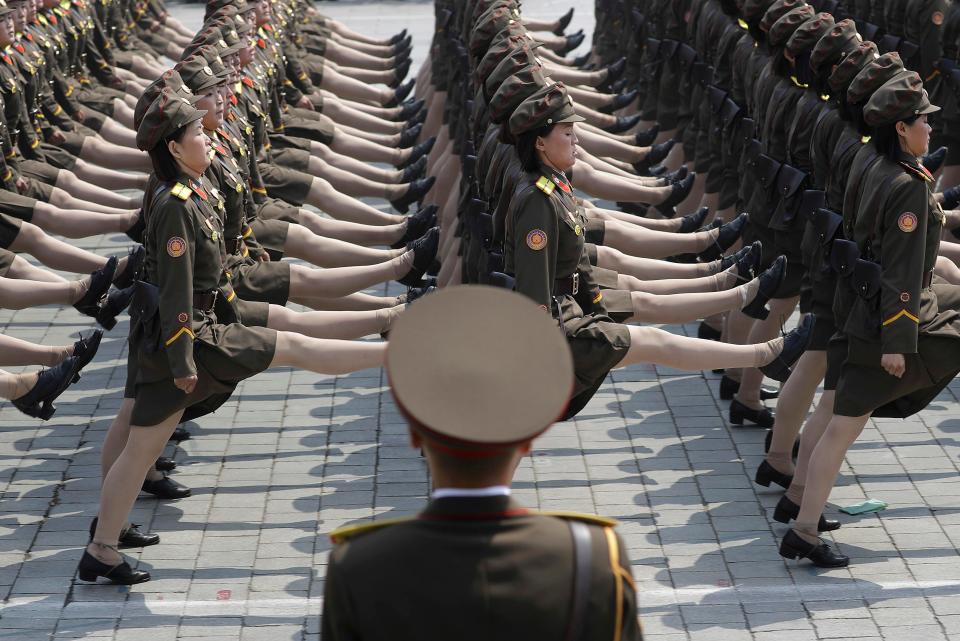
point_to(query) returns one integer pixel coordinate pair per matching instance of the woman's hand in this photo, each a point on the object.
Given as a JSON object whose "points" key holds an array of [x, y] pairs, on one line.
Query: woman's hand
{"points": [[895, 364], [186, 383]]}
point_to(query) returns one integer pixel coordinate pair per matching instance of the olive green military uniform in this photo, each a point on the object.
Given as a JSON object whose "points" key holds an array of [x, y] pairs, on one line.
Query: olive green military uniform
{"points": [[177, 332], [895, 308]]}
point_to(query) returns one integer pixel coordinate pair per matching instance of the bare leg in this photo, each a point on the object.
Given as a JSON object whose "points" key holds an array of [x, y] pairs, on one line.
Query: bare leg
{"points": [[683, 308], [74, 223], [371, 76], [649, 268], [353, 185], [813, 431], [13, 386], [355, 302], [649, 243], [113, 131], [343, 55], [794, 402], [361, 149], [752, 379], [15, 352], [101, 152], [323, 196], [341, 85], [355, 233], [53, 252], [342, 113], [23, 294], [327, 252], [66, 200], [328, 324], [653, 345], [603, 185], [339, 281], [348, 164]]}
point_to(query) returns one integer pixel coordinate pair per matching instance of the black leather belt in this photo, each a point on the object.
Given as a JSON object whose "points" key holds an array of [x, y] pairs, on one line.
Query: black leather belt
{"points": [[927, 279], [204, 301], [569, 285]]}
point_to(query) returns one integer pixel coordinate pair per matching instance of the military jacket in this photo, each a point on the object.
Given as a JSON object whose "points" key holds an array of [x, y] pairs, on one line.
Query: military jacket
{"points": [[485, 568]]}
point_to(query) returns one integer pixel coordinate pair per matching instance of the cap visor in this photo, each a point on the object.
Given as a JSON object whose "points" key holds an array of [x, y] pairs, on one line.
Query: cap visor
{"points": [[929, 109], [570, 118]]}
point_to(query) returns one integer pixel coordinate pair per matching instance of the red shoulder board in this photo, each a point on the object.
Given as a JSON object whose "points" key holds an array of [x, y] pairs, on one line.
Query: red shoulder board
{"points": [[919, 172], [267, 27], [19, 47], [220, 148], [233, 99], [261, 43], [247, 81], [7, 59], [52, 19], [28, 36]]}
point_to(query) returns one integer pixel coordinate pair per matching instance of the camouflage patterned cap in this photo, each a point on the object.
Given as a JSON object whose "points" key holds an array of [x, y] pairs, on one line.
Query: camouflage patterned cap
{"points": [[168, 113], [513, 91], [809, 33], [874, 75], [554, 107], [519, 58], [777, 10], [753, 8], [169, 80], [489, 25], [844, 73], [902, 97], [834, 45], [787, 25], [197, 74]]}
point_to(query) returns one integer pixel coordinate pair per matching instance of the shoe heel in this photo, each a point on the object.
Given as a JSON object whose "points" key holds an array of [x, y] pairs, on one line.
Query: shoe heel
{"points": [[88, 575], [107, 322], [781, 515], [757, 311], [76, 377], [736, 417], [762, 478], [46, 411], [787, 551]]}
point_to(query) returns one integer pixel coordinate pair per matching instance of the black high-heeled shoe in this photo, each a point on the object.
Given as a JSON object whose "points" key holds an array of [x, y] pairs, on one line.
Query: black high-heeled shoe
{"points": [[132, 269], [418, 119], [573, 41], [729, 387], [180, 434], [794, 344], [415, 193], [401, 71], [419, 151], [165, 464], [51, 383], [581, 61], [726, 237], [693, 222], [400, 93], [418, 224], [410, 109], [563, 22], [739, 413], [416, 293], [166, 488], [396, 38], [623, 123], [614, 71], [100, 281], [620, 101], [787, 511], [677, 176], [655, 156], [117, 301], [131, 537], [647, 138], [91, 569], [820, 554], [746, 259], [767, 474], [414, 171], [409, 136], [678, 193], [86, 348], [770, 282], [425, 251]]}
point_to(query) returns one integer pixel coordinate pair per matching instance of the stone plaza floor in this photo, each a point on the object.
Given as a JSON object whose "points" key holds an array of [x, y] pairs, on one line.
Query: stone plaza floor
{"points": [[294, 455]]}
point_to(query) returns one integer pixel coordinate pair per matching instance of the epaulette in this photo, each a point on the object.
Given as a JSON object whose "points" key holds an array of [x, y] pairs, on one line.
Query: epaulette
{"points": [[341, 534], [181, 191], [545, 185], [593, 519], [220, 148], [920, 173]]}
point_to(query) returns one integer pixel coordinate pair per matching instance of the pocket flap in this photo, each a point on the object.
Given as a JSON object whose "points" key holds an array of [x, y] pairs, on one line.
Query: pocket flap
{"points": [[843, 256]]}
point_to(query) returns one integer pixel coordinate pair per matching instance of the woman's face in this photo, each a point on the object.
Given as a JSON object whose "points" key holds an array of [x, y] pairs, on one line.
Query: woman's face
{"points": [[558, 149], [20, 17], [7, 30], [212, 101], [246, 53], [915, 138], [192, 153]]}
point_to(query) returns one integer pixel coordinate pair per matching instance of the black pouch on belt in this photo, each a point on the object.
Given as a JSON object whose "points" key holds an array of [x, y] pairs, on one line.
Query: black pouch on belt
{"points": [[144, 313], [843, 256], [866, 278], [826, 222]]}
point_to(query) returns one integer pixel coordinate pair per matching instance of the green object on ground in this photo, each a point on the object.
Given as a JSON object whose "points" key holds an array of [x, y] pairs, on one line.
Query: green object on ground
{"points": [[870, 505]]}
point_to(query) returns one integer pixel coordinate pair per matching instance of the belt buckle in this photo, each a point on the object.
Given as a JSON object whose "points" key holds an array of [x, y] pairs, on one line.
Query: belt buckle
{"points": [[213, 303], [576, 283]]}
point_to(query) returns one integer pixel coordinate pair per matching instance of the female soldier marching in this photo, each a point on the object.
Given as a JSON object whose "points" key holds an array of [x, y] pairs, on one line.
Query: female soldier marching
{"points": [[182, 357]]}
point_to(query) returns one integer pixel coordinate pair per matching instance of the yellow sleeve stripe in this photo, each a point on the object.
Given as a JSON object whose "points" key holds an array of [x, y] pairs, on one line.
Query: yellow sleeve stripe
{"points": [[247, 232], [598, 298], [7, 175], [34, 144], [900, 315], [246, 251], [231, 296], [181, 332], [58, 110], [259, 190]]}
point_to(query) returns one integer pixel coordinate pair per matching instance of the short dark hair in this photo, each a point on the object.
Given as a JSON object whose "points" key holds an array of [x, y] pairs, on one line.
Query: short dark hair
{"points": [[164, 165], [527, 147], [886, 139]]}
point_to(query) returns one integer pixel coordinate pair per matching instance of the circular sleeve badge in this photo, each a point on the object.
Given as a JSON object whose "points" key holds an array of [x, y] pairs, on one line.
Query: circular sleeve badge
{"points": [[937, 18], [907, 222], [537, 240], [176, 247]]}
